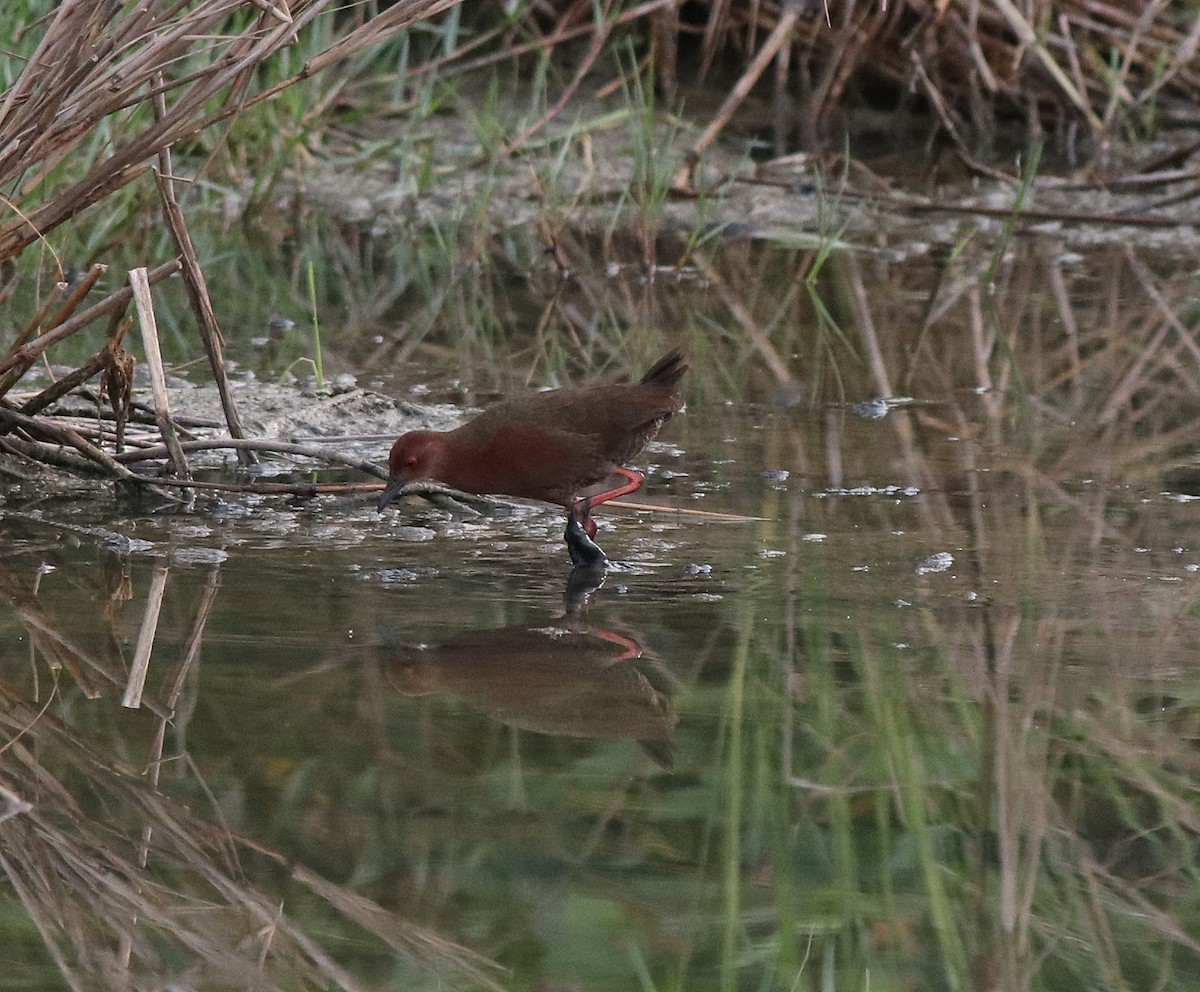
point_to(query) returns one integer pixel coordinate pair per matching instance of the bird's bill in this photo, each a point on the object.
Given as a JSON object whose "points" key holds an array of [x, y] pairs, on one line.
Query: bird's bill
{"points": [[391, 491]]}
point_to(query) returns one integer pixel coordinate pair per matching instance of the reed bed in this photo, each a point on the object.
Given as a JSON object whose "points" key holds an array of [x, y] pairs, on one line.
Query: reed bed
{"points": [[109, 94], [1098, 67], [117, 86]]}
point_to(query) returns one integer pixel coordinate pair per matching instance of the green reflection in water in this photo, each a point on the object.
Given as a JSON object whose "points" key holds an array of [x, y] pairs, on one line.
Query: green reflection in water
{"points": [[841, 762]]}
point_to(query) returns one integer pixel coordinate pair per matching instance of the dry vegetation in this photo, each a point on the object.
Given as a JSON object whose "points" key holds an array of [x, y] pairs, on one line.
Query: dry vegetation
{"points": [[1096, 66], [115, 88], [112, 88]]}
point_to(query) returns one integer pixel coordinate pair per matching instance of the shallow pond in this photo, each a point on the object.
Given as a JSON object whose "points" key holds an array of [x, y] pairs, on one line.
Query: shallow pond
{"points": [[887, 695]]}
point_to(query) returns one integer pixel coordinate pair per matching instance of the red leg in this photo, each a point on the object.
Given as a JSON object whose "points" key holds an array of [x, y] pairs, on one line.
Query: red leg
{"points": [[634, 483], [583, 507]]}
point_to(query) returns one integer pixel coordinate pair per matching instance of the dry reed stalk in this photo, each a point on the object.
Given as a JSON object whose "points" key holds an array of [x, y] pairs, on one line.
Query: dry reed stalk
{"points": [[97, 905], [265, 445], [603, 29], [301, 490], [39, 318], [96, 60], [49, 454], [15, 364], [72, 380], [977, 63], [454, 61], [45, 428], [173, 687], [780, 35], [158, 377], [197, 289]]}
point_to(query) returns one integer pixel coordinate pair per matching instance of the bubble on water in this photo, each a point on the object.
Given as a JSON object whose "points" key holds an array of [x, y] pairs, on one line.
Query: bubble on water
{"points": [[935, 563], [198, 556], [121, 544], [871, 409], [414, 535], [397, 576]]}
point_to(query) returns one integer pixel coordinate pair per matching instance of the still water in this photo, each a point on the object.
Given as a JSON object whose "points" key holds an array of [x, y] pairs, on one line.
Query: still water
{"points": [[912, 703]]}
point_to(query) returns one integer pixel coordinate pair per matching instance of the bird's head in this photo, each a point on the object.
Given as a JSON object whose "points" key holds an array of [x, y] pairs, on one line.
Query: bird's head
{"points": [[416, 455]]}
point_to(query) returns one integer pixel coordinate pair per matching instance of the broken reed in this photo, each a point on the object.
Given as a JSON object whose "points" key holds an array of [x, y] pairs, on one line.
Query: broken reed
{"points": [[94, 66]]}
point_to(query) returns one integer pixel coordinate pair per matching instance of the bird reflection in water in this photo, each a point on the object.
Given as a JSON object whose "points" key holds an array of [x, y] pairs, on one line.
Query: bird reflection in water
{"points": [[566, 679]]}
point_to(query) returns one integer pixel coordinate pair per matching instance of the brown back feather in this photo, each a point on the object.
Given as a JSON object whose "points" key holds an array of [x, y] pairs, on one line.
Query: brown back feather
{"points": [[591, 427]]}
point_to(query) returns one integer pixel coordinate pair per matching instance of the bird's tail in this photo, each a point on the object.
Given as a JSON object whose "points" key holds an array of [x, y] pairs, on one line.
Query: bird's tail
{"points": [[667, 371]]}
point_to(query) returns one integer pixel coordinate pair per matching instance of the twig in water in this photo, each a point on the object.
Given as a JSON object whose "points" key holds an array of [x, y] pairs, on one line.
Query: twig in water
{"points": [[145, 642], [96, 457]]}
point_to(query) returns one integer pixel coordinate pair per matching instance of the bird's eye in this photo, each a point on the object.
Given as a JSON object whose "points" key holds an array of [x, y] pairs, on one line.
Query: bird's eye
{"points": [[411, 461]]}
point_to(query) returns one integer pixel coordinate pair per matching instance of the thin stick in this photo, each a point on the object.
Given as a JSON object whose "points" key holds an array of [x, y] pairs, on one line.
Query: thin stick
{"points": [[778, 37], [158, 377], [49, 454], [78, 294], [1027, 36], [93, 366], [197, 288], [191, 646], [39, 318], [258, 444], [14, 365], [67, 436], [304, 490], [603, 29], [687, 511], [145, 642]]}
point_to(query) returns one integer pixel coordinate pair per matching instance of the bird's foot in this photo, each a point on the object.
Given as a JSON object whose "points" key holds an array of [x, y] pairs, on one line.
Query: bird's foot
{"points": [[584, 552], [581, 512]]}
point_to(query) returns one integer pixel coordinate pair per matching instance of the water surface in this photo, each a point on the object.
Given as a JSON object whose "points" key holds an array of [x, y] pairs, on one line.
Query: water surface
{"points": [[922, 716]]}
